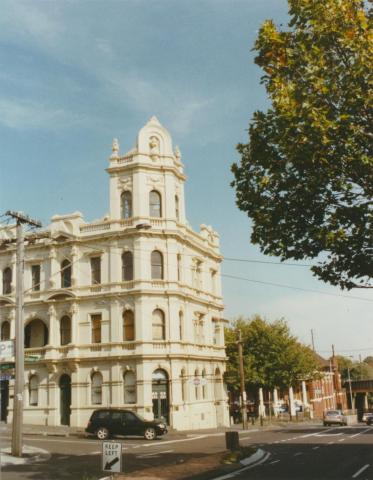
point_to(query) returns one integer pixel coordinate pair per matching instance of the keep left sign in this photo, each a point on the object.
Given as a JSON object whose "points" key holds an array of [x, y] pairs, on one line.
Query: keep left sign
{"points": [[112, 457]]}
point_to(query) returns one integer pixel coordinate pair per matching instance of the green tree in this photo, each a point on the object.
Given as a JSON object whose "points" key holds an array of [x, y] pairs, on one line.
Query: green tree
{"points": [[358, 370], [272, 356], [306, 176]]}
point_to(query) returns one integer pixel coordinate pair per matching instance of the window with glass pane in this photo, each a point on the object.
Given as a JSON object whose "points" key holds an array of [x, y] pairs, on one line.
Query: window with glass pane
{"points": [[33, 390], [128, 325], [5, 331], [127, 266], [129, 384], [96, 389], [95, 270], [177, 209], [184, 388], [35, 277], [181, 325], [158, 325], [157, 265], [178, 267], [204, 386], [155, 204], [65, 330], [196, 387], [7, 281], [126, 205], [66, 274], [96, 328]]}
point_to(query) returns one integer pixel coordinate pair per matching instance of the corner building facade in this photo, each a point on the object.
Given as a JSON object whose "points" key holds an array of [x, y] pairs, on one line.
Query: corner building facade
{"points": [[125, 311]]}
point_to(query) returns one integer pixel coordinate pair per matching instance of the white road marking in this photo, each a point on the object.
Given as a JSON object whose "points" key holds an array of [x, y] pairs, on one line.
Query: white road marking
{"points": [[356, 434], [173, 441], [154, 454], [361, 470], [275, 461], [315, 448], [297, 454], [237, 472]]}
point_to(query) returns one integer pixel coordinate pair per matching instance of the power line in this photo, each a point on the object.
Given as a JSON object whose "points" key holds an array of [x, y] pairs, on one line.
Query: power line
{"points": [[248, 260], [282, 285]]}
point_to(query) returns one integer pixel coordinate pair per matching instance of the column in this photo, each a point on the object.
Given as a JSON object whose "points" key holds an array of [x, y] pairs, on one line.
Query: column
{"points": [[54, 280], [275, 402], [262, 410], [291, 402], [53, 331], [74, 310], [304, 394], [74, 254]]}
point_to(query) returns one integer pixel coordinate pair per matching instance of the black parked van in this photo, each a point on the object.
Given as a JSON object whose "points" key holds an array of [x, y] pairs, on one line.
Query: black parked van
{"points": [[108, 422]]}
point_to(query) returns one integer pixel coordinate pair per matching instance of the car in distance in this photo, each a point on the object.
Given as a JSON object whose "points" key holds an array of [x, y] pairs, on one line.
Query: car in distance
{"points": [[107, 422], [334, 417], [368, 418]]}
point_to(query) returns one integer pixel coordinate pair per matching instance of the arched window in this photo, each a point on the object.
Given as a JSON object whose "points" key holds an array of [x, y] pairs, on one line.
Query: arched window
{"points": [[204, 384], [96, 388], [128, 325], [177, 208], [218, 385], [196, 386], [157, 265], [127, 266], [126, 200], [33, 389], [178, 258], [184, 384], [155, 209], [36, 334], [159, 330], [7, 281], [65, 330], [181, 325], [66, 274], [5, 331], [129, 387]]}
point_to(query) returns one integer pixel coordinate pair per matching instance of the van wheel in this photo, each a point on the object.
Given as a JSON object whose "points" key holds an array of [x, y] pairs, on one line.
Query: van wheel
{"points": [[150, 434], [102, 433]]}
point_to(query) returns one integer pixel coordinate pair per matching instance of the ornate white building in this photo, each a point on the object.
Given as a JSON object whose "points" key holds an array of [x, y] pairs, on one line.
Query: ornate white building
{"points": [[125, 311]]}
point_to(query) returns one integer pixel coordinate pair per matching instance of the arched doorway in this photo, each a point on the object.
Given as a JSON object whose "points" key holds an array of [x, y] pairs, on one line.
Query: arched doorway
{"points": [[161, 404], [65, 399], [4, 399]]}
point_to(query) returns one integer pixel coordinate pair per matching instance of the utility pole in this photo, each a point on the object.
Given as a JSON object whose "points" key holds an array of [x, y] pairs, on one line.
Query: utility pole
{"points": [[242, 379], [19, 333], [313, 341]]}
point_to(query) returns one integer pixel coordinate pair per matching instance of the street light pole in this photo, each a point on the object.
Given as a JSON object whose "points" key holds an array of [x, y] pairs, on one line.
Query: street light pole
{"points": [[349, 382], [19, 381], [242, 382]]}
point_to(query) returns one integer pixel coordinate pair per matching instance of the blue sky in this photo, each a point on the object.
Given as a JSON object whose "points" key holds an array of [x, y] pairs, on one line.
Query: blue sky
{"points": [[74, 74]]}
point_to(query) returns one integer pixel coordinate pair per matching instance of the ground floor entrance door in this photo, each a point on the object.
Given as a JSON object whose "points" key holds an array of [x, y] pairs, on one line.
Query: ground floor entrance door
{"points": [[4, 399], [161, 404], [65, 399]]}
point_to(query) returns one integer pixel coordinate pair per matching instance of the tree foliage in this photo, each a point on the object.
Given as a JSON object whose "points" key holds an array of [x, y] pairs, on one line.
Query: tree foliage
{"points": [[306, 176], [358, 370], [272, 356]]}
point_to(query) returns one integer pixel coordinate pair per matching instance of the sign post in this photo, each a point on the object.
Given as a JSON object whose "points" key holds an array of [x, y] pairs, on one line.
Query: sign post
{"points": [[112, 457]]}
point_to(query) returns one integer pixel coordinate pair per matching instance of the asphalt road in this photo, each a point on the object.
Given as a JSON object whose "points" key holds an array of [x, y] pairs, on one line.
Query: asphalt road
{"points": [[297, 452]]}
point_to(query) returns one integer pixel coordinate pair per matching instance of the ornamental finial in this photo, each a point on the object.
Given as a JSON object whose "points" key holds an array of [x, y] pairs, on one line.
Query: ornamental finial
{"points": [[115, 148]]}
